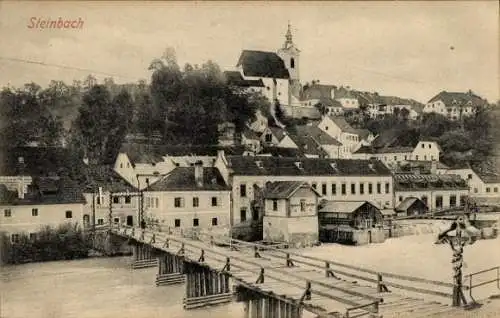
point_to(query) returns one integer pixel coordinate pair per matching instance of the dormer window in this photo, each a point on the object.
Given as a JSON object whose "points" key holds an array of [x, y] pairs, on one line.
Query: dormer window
{"points": [[259, 164], [334, 166], [298, 164], [20, 159]]}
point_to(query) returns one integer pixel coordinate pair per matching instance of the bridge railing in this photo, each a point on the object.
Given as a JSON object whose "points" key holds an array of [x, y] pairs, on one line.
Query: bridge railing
{"points": [[472, 285], [383, 280], [271, 272]]}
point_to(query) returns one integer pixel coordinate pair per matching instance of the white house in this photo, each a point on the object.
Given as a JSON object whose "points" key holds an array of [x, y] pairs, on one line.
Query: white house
{"points": [[277, 137], [436, 191], [454, 105], [47, 202], [481, 185], [338, 128], [313, 142], [190, 197], [291, 213], [334, 179]]}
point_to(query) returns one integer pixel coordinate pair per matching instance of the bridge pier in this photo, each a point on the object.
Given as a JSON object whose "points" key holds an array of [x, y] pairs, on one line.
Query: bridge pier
{"points": [[259, 305], [205, 286], [170, 269], [143, 255]]}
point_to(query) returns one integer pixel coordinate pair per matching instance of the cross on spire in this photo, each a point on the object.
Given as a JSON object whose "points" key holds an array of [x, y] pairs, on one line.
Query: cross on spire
{"points": [[288, 36]]}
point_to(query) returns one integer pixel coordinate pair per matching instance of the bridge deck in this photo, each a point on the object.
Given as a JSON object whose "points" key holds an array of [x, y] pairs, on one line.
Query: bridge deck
{"points": [[338, 293]]}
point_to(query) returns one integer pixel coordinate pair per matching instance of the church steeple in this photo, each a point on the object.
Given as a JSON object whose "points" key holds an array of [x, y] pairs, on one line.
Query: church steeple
{"points": [[288, 37]]}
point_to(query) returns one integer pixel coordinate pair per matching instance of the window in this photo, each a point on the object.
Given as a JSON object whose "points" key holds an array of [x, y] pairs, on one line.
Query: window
{"points": [[32, 236], [323, 189], [453, 200], [128, 165], [243, 190], [353, 188], [100, 221], [387, 187], [214, 201], [370, 188], [423, 146], [343, 189], [379, 188], [416, 157], [439, 201], [469, 176], [98, 200], [395, 158], [268, 137], [34, 212], [361, 188], [334, 189], [400, 198], [475, 190], [425, 157], [430, 146], [116, 220], [196, 222], [157, 201], [147, 181], [128, 199], [116, 200], [7, 213], [495, 189], [196, 202], [177, 223], [14, 238], [314, 186], [69, 214], [214, 221], [178, 202], [463, 199], [292, 62], [488, 190], [243, 215], [302, 205], [275, 205]]}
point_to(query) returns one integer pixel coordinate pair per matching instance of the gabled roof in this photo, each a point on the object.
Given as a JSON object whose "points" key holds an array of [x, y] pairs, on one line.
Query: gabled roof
{"points": [[318, 91], [407, 203], [99, 176], [262, 64], [458, 99], [316, 134], [235, 78], [410, 181], [279, 133], [489, 178], [309, 146], [285, 189], [363, 133], [343, 206], [183, 179], [281, 166], [343, 124], [46, 190]]}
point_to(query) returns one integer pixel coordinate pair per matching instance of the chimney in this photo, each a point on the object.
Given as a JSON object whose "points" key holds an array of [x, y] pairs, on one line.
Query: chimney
{"points": [[198, 173], [433, 167]]}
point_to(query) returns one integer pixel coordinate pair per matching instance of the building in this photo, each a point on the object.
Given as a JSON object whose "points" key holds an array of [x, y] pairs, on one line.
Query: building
{"points": [[290, 213], [334, 179], [393, 156], [189, 197], [338, 128], [227, 134], [101, 182], [315, 143], [277, 137], [48, 201], [378, 106], [250, 140], [454, 105], [411, 206], [437, 191], [355, 214]]}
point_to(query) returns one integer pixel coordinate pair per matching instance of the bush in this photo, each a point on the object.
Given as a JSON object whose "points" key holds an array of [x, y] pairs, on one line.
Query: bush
{"points": [[62, 243]]}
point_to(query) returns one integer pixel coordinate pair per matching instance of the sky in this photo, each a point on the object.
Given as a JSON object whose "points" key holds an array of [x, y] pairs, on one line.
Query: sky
{"points": [[407, 49]]}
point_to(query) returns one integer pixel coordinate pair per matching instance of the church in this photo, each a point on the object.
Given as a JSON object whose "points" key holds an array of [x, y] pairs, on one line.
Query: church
{"points": [[276, 75]]}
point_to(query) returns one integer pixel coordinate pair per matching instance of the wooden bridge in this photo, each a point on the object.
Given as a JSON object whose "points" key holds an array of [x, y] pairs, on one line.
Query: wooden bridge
{"points": [[279, 283]]}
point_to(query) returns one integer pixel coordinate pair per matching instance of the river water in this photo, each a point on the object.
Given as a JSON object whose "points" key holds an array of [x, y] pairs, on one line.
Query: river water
{"points": [[107, 287]]}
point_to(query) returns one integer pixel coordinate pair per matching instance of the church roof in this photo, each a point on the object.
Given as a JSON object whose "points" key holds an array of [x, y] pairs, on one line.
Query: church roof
{"points": [[262, 64], [235, 78]]}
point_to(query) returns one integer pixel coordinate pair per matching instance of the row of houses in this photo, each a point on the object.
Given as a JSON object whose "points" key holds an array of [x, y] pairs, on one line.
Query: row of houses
{"points": [[227, 190]]}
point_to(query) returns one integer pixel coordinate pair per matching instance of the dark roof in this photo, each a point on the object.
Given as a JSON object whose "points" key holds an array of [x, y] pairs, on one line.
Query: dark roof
{"points": [[282, 152], [279, 133], [317, 134], [363, 133], [287, 166], [343, 206], [343, 124], [318, 91], [284, 189], [46, 190], [459, 99], [105, 177], [489, 178], [250, 134], [150, 153], [408, 202], [309, 146], [183, 179], [36, 161], [366, 149], [410, 181], [262, 64], [235, 78]]}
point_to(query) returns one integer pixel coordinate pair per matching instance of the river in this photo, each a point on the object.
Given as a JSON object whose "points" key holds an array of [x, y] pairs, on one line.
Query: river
{"points": [[107, 287]]}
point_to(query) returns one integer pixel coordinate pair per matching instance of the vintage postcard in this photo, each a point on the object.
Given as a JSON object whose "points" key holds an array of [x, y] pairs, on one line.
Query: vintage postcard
{"points": [[279, 159]]}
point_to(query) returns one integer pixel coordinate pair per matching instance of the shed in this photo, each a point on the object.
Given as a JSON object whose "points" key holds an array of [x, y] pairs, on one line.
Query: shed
{"points": [[412, 206], [356, 214]]}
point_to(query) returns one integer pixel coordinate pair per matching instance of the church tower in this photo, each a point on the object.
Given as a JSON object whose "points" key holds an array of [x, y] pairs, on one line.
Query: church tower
{"points": [[290, 55]]}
